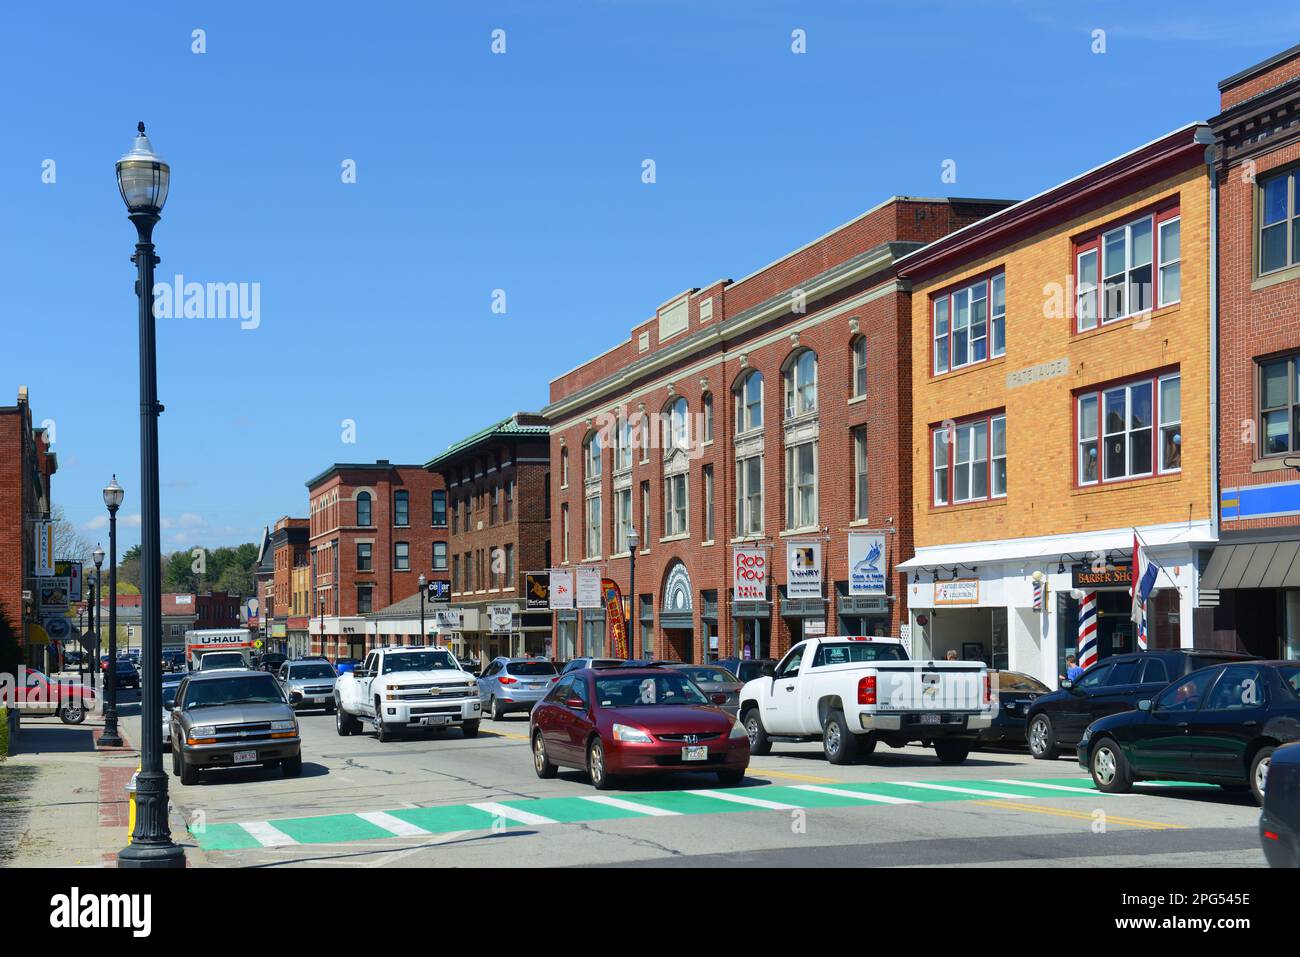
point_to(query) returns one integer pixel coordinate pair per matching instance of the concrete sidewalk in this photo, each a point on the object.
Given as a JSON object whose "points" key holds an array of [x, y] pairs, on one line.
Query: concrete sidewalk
{"points": [[63, 802]]}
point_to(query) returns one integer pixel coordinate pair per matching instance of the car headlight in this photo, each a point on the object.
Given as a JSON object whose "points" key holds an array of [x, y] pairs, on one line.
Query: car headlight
{"points": [[203, 731], [284, 726], [738, 730], [635, 735]]}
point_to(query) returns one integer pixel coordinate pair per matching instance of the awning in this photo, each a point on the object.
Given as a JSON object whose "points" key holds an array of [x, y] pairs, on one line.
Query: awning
{"points": [[1257, 565]]}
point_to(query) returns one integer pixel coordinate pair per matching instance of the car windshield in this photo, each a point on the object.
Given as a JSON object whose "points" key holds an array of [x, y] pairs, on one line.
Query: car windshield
{"points": [[631, 691], [311, 671], [252, 688], [224, 659], [708, 676], [419, 661], [1015, 681], [530, 668]]}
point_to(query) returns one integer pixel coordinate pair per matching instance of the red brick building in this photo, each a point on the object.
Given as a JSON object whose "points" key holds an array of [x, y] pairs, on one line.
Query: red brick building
{"points": [[26, 465], [373, 529], [286, 619], [216, 609], [498, 497], [765, 412], [1254, 573]]}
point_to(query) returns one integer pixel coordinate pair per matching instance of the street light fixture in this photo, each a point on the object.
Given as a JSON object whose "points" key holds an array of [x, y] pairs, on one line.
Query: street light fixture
{"points": [[633, 540], [144, 179], [113, 495], [422, 582]]}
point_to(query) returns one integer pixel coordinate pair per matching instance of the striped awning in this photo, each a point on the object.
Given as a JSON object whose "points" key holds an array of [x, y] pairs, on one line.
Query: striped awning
{"points": [[1253, 565]]}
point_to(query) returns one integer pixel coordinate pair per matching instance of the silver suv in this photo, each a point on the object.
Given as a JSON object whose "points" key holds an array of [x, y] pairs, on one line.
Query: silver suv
{"points": [[226, 719], [308, 683]]}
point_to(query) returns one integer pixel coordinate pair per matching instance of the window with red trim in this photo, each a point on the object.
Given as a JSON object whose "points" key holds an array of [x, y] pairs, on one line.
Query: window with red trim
{"points": [[1129, 430], [970, 460], [1128, 269], [970, 323]]}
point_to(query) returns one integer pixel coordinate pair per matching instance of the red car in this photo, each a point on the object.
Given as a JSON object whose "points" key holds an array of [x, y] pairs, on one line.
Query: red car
{"points": [[614, 721]]}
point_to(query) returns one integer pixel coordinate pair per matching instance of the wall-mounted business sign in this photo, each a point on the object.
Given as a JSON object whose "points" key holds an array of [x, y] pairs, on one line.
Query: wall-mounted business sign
{"points": [[537, 591], [447, 619], [803, 570], [1100, 576], [54, 594], [44, 558], [587, 586], [72, 572], [963, 591], [749, 574], [561, 596], [866, 563], [502, 618]]}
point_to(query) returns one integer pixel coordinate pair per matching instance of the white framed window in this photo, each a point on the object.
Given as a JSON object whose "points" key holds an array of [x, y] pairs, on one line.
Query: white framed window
{"points": [[675, 504], [1278, 241], [801, 384], [676, 426], [942, 335], [1170, 407], [998, 456], [564, 533], [1171, 267], [622, 519], [707, 523], [1114, 277], [749, 403], [859, 366], [749, 496], [860, 473], [998, 315], [961, 324], [1117, 430], [564, 468], [591, 455], [593, 526], [970, 461], [801, 485], [940, 467], [1085, 290], [708, 416], [623, 459]]}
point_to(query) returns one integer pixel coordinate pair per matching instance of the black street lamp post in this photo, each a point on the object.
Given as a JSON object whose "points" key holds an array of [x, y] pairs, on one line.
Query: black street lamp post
{"points": [[423, 582], [143, 179], [633, 540], [94, 635], [113, 495], [97, 556]]}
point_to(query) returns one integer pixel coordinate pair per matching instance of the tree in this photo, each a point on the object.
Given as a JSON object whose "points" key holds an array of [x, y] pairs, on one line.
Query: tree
{"points": [[132, 554], [178, 573], [68, 543]]}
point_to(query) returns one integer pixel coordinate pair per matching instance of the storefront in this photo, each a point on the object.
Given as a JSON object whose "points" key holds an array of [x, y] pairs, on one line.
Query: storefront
{"points": [[861, 614], [752, 627], [677, 616], [1251, 593], [804, 617]]}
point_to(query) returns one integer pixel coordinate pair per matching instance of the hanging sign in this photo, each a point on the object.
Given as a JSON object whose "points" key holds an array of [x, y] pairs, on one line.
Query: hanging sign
{"points": [[866, 563], [803, 570], [749, 574], [502, 618], [537, 591], [587, 586], [561, 591]]}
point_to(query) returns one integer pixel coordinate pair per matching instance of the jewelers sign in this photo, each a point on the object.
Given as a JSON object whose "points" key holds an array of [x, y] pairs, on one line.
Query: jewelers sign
{"points": [[803, 570], [866, 563], [749, 574]]}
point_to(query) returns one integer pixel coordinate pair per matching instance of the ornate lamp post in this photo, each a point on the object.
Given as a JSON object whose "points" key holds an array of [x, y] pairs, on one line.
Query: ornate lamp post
{"points": [[113, 495], [96, 626], [633, 540], [143, 179], [423, 583]]}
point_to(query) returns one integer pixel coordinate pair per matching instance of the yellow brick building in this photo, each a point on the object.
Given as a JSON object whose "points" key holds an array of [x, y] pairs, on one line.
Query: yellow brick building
{"points": [[1061, 384]]}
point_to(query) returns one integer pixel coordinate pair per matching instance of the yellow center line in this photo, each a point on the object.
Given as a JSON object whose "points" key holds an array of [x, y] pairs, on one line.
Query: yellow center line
{"points": [[810, 778], [1084, 815]]}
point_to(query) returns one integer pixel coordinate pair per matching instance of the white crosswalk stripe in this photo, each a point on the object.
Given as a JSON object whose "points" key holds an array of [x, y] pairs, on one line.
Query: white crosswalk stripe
{"points": [[629, 805], [1052, 787], [513, 813], [741, 799], [860, 795], [960, 790], [394, 825], [267, 835]]}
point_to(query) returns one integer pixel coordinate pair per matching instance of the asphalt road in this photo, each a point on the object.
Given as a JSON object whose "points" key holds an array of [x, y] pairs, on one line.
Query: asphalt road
{"points": [[448, 801]]}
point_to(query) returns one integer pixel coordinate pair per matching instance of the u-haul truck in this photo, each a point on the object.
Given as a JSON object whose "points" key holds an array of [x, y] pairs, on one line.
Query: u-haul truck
{"points": [[221, 644]]}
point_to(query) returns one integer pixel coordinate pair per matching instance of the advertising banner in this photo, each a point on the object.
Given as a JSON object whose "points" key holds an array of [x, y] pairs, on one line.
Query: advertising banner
{"points": [[561, 593], [502, 618], [749, 574], [803, 570], [614, 616], [537, 591], [867, 571], [72, 572], [587, 586]]}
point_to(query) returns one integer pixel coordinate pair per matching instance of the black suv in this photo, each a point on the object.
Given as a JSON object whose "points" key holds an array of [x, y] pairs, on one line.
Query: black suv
{"points": [[1057, 720]]}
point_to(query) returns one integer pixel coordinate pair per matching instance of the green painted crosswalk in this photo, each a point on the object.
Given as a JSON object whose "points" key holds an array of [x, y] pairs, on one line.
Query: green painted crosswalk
{"points": [[596, 806]]}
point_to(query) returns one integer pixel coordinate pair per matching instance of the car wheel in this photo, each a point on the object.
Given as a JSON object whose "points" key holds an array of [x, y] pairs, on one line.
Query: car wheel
{"points": [[759, 743], [1110, 771], [469, 729], [838, 742], [1042, 738], [72, 714], [497, 713], [189, 773], [292, 767], [1259, 772], [731, 778], [541, 763], [176, 762], [596, 770], [951, 752]]}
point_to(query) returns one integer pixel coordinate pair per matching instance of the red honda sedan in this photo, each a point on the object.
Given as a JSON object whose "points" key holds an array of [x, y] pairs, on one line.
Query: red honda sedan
{"points": [[635, 721]]}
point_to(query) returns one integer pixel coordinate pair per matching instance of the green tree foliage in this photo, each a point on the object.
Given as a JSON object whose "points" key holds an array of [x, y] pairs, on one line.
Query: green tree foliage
{"points": [[222, 569]]}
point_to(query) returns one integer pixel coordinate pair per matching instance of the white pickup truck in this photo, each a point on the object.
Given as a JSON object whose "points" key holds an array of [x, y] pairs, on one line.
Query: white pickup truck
{"points": [[853, 691], [406, 687]]}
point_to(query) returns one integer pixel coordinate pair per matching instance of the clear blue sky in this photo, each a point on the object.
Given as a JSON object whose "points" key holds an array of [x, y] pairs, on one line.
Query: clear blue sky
{"points": [[477, 172]]}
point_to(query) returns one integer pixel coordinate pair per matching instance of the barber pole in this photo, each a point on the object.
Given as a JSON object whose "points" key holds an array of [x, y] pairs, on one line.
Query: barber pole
{"points": [[1088, 630]]}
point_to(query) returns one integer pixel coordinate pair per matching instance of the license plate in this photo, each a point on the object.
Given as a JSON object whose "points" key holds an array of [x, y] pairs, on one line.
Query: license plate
{"points": [[245, 757], [436, 719], [695, 752], [930, 718]]}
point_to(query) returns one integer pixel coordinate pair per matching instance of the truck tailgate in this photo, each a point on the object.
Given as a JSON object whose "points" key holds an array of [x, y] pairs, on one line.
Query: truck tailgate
{"points": [[930, 686]]}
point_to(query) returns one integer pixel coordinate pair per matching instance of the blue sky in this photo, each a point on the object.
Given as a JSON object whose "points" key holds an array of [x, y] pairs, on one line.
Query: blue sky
{"points": [[478, 172]]}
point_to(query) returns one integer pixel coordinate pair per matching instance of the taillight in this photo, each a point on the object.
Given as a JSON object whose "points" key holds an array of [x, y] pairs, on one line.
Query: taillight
{"points": [[867, 690], [507, 680], [988, 689], [1270, 835]]}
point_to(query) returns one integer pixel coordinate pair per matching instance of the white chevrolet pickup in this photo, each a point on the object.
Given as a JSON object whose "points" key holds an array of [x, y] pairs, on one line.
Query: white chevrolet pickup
{"points": [[406, 687], [854, 691]]}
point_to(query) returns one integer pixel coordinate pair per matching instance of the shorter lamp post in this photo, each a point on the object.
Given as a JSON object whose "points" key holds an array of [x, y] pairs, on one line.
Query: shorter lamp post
{"points": [[423, 582], [633, 540], [97, 621], [113, 496]]}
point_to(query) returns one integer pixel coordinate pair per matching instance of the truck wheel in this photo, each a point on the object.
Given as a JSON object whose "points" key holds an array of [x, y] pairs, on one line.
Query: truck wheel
{"points": [[838, 741], [292, 767], [541, 763], [189, 773], [1109, 767], [344, 723], [72, 714], [1042, 738], [759, 743], [382, 731], [469, 729], [952, 752]]}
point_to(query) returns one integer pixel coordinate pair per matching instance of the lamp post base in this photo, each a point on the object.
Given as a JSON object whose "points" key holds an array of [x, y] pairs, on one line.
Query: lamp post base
{"points": [[110, 739], [152, 856]]}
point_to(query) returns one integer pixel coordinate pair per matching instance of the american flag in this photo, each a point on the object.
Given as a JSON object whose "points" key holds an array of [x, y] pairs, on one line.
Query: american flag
{"points": [[1088, 630]]}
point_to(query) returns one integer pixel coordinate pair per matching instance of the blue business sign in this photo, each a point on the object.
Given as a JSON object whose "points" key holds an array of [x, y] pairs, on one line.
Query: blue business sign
{"points": [[1260, 501]]}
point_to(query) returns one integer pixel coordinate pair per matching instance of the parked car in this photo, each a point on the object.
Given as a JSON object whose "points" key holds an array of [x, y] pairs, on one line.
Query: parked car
{"points": [[514, 684], [747, 669], [1218, 725], [1056, 721], [228, 718], [852, 692], [713, 679], [1015, 693], [173, 661], [405, 687], [471, 666], [344, 665], [271, 661], [308, 684], [125, 674], [1279, 822], [640, 721], [577, 663], [170, 684], [42, 696]]}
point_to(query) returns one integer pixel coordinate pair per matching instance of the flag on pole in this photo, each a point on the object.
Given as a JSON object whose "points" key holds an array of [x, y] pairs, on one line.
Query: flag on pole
{"points": [[1088, 630], [1143, 573]]}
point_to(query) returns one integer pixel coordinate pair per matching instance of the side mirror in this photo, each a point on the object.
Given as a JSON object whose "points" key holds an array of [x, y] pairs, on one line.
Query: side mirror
{"points": [[718, 697], [1067, 685], [1144, 704], [574, 703]]}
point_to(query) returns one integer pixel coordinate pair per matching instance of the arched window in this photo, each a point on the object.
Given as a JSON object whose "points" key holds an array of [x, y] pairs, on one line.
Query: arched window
{"points": [[749, 403], [363, 508], [591, 455], [859, 351], [676, 425], [801, 384]]}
